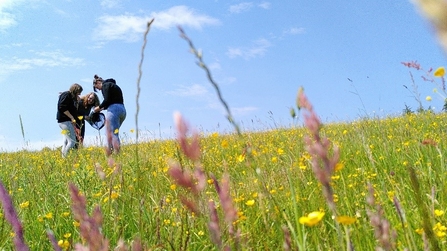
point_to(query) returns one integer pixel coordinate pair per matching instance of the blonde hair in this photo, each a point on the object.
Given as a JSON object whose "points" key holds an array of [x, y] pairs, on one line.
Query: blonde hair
{"points": [[85, 99]]}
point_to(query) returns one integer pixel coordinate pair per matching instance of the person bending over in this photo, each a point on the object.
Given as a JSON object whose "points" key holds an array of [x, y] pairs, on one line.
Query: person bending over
{"points": [[116, 112]]}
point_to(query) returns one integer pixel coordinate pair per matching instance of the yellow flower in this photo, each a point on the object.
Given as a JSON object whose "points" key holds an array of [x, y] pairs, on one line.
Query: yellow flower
{"points": [[76, 224], [224, 143], [440, 72], [65, 214], [114, 195], [312, 219], [419, 230], [64, 244], [250, 202], [116, 131], [173, 186], [64, 132], [132, 130], [24, 204], [428, 98], [200, 233], [49, 215], [339, 166], [280, 151], [439, 212], [241, 158], [345, 220], [80, 117], [67, 235]]}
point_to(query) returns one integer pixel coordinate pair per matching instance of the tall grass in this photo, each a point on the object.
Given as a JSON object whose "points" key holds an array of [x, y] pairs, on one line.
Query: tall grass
{"points": [[371, 184], [271, 185]]}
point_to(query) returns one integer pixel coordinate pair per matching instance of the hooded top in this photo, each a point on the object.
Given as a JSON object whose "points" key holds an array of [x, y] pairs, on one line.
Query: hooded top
{"points": [[66, 103], [112, 93]]}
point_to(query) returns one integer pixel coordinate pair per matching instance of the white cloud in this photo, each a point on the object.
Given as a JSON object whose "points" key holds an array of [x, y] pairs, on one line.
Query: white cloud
{"points": [[183, 16], [110, 3], [257, 50], [242, 7], [41, 59], [130, 27], [7, 19], [190, 91], [123, 27], [294, 31], [265, 5]]}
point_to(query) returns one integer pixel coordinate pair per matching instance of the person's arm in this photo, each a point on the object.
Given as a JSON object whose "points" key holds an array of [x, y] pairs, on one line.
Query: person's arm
{"points": [[63, 106], [106, 94], [71, 117]]}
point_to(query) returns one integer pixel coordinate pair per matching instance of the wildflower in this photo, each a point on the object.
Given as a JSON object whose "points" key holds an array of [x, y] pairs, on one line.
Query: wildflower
{"points": [[24, 204], [63, 244], [65, 214], [439, 212], [241, 158], [64, 132], [132, 130], [80, 117], [419, 231], [440, 72], [224, 143], [48, 215], [440, 230], [345, 220], [200, 233], [428, 98], [312, 218], [274, 159], [280, 151], [173, 186], [116, 131], [114, 195], [250, 202], [339, 166]]}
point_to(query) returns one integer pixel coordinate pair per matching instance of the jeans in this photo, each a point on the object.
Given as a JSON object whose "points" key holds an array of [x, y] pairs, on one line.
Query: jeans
{"points": [[68, 131], [115, 116]]}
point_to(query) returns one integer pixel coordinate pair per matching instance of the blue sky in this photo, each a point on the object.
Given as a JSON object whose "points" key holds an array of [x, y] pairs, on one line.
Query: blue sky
{"points": [[346, 55]]}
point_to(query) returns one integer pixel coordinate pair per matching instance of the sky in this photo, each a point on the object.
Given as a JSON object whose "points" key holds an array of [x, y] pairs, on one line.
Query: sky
{"points": [[346, 55]]}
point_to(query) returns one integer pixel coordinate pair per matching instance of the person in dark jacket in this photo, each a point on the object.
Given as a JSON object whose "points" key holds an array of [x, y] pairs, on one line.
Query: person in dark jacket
{"points": [[85, 105], [67, 116], [116, 112]]}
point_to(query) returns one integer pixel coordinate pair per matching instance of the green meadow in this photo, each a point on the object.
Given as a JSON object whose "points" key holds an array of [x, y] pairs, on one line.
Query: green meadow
{"points": [[254, 191]]}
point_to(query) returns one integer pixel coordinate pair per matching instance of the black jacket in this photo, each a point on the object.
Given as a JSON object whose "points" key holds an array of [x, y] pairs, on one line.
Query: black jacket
{"points": [[66, 103], [112, 93]]}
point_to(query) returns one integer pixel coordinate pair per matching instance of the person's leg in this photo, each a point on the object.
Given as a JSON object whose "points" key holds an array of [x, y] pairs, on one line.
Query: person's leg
{"points": [[115, 116], [69, 136], [81, 140]]}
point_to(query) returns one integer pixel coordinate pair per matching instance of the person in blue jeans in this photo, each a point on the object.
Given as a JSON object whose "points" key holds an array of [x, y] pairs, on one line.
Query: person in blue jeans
{"points": [[67, 116], [116, 112]]}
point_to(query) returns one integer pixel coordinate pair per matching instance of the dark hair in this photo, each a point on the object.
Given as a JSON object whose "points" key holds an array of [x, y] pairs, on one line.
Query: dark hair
{"points": [[75, 89], [96, 78]]}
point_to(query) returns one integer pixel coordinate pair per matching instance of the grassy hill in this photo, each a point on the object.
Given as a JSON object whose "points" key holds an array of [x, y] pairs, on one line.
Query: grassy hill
{"points": [[256, 191]]}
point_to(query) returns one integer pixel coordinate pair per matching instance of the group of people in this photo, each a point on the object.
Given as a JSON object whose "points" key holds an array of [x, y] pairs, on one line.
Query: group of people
{"points": [[73, 111]]}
